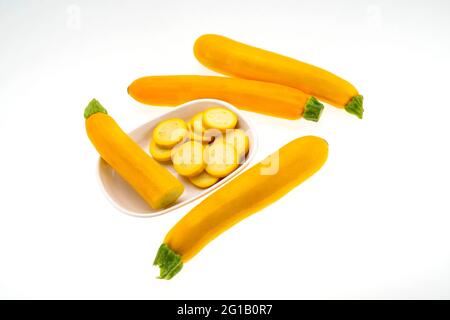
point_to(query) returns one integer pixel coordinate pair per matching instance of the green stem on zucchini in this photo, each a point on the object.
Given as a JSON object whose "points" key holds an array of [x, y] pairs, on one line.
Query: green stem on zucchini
{"points": [[355, 106], [93, 107], [168, 261], [313, 109]]}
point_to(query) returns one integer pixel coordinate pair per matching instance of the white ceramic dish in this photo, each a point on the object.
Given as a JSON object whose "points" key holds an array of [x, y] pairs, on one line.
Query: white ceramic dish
{"points": [[124, 198]]}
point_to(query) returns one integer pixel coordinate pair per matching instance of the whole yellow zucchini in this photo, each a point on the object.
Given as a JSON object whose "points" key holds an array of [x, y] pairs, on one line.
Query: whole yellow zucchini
{"points": [[257, 96], [157, 186], [233, 58], [248, 193]]}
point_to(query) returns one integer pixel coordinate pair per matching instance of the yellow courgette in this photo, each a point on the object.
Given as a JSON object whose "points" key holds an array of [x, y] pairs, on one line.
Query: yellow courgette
{"points": [[257, 96], [248, 193], [157, 186], [237, 59]]}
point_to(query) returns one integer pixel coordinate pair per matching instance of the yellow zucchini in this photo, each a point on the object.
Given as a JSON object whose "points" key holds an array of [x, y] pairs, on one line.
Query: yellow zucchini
{"points": [[257, 96], [248, 193], [157, 186], [237, 59]]}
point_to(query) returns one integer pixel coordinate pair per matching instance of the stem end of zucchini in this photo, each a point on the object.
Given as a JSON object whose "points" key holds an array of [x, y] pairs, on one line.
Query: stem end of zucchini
{"points": [[168, 261], [94, 107], [355, 106], [313, 109]]}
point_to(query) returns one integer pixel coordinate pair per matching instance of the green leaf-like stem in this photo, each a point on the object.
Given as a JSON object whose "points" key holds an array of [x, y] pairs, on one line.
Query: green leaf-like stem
{"points": [[313, 109], [355, 106], [168, 261], [94, 107]]}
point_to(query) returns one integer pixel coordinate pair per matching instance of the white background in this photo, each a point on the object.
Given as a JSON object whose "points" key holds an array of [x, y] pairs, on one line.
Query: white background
{"points": [[373, 223]]}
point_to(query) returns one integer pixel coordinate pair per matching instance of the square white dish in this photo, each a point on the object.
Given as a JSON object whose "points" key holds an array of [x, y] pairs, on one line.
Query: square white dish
{"points": [[122, 195]]}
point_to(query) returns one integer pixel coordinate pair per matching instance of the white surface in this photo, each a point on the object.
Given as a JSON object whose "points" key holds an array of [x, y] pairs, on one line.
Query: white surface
{"points": [[374, 223], [126, 199]]}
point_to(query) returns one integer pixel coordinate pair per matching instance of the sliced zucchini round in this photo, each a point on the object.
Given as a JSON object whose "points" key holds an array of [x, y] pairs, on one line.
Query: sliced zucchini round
{"points": [[159, 153], [221, 159], [203, 180], [219, 118], [187, 159], [170, 132]]}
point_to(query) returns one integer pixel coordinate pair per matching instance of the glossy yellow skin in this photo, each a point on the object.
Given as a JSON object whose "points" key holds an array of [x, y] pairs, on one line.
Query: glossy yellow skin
{"points": [[237, 59], [256, 96], [157, 186], [246, 194]]}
